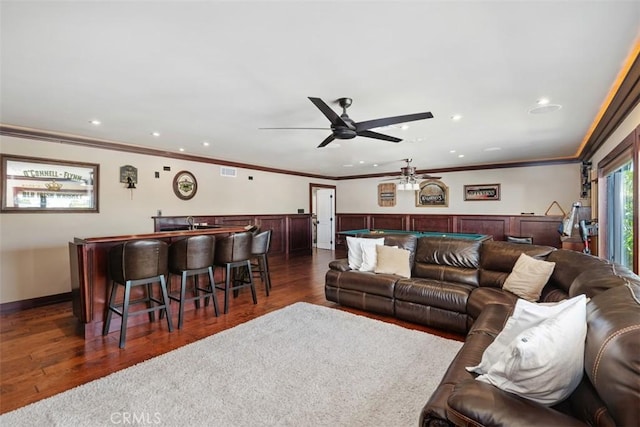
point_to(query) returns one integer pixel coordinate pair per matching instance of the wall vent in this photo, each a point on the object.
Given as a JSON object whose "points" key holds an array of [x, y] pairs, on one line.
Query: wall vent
{"points": [[229, 172]]}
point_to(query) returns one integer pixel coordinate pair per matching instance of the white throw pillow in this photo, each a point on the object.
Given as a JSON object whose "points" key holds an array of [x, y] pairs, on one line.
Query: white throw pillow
{"points": [[369, 256], [354, 251], [528, 277], [539, 355], [393, 260]]}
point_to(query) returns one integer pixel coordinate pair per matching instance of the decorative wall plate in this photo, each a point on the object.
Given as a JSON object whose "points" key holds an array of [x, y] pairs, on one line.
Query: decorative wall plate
{"points": [[185, 185]]}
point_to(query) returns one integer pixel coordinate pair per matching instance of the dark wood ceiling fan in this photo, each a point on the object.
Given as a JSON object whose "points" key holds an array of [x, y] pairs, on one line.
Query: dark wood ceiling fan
{"points": [[343, 127]]}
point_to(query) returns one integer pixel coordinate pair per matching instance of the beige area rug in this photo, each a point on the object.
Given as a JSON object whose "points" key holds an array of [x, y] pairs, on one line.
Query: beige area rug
{"points": [[303, 365]]}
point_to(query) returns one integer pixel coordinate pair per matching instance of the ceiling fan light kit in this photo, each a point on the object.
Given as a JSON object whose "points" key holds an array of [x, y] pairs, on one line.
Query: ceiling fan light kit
{"points": [[408, 180]]}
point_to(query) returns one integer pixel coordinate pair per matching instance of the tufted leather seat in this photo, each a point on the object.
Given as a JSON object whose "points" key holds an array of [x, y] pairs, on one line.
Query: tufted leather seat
{"points": [[193, 256], [137, 263], [232, 253]]}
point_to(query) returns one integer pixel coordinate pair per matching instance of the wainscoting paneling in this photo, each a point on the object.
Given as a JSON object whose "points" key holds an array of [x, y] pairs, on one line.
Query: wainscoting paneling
{"points": [[543, 229]]}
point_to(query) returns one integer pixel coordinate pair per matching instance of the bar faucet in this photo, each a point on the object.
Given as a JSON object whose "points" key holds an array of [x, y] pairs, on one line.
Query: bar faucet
{"points": [[190, 222]]}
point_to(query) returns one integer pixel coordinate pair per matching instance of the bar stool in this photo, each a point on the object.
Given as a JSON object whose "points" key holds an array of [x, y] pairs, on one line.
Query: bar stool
{"points": [[192, 256], [233, 252], [260, 263], [136, 263]]}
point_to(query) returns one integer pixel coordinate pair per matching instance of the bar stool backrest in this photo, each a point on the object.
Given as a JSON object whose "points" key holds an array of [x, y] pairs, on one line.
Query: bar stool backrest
{"points": [[138, 259], [191, 253], [233, 248], [261, 242]]}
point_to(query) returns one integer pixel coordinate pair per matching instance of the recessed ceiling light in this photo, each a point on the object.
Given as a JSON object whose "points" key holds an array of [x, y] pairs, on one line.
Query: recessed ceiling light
{"points": [[543, 109], [181, 149], [375, 165], [95, 122], [205, 143], [460, 156], [543, 101], [155, 133], [452, 151], [492, 149], [404, 127], [456, 117], [361, 162]]}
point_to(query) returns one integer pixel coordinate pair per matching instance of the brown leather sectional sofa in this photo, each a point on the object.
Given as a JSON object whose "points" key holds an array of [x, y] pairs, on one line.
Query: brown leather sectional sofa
{"points": [[457, 285]]}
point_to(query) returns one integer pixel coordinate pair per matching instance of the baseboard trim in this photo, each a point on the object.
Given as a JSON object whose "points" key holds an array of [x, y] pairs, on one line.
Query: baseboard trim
{"points": [[12, 307]]}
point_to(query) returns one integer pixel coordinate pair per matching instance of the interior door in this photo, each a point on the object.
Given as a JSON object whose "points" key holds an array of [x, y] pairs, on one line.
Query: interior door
{"points": [[325, 223]]}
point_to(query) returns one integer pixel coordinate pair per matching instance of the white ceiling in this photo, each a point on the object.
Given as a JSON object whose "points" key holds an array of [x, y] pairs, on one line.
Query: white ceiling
{"points": [[218, 71]]}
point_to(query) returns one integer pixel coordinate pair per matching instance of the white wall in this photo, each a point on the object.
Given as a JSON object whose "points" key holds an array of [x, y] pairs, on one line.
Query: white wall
{"points": [[525, 189], [34, 259], [33, 247]]}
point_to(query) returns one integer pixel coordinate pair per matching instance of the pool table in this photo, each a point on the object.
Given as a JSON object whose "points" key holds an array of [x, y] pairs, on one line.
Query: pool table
{"points": [[468, 236]]}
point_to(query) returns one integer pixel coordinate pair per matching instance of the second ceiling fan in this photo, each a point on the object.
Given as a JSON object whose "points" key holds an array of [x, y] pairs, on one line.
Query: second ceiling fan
{"points": [[343, 127]]}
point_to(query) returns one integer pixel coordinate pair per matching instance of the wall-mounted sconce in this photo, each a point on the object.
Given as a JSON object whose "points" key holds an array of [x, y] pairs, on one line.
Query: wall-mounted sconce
{"points": [[129, 176]]}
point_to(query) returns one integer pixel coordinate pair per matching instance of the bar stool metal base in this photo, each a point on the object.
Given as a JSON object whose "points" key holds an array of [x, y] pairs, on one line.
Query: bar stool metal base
{"points": [[233, 282], [123, 309], [207, 292]]}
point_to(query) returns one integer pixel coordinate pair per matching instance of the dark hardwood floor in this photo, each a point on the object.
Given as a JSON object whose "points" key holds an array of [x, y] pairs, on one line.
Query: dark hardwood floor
{"points": [[40, 355]]}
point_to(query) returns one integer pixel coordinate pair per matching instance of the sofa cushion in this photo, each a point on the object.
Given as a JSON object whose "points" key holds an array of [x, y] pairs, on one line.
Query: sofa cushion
{"points": [[448, 251], [528, 277], [361, 281], [483, 332], [354, 250], [369, 253], [601, 278], [434, 293], [447, 259], [489, 406], [573, 264], [482, 297], [538, 356], [404, 241], [392, 260], [498, 258], [612, 350]]}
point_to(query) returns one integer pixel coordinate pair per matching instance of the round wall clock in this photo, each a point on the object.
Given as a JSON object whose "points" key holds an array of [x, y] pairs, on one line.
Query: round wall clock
{"points": [[185, 185]]}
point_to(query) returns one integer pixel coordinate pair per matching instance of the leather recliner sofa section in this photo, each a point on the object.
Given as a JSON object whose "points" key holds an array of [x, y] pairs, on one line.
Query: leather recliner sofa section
{"points": [[456, 285]]}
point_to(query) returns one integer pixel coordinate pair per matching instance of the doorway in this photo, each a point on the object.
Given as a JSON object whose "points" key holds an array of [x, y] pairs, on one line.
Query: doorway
{"points": [[323, 209]]}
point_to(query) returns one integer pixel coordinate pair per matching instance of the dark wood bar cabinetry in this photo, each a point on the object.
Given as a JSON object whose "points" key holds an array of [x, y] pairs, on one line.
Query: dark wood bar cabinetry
{"points": [[543, 229], [290, 234], [90, 279]]}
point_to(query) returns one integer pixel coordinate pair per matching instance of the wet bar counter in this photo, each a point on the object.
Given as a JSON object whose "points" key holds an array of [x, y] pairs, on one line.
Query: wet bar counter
{"points": [[89, 275]]}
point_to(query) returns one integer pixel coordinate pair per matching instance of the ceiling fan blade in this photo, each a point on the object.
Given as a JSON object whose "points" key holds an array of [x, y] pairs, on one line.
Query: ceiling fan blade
{"points": [[296, 128], [376, 135], [370, 124], [333, 117], [428, 177], [326, 141]]}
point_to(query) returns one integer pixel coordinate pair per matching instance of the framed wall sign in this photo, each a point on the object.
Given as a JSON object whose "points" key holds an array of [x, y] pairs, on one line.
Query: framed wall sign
{"points": [[185, 185], [432, 193], [482, 192], [387, 194], [31, 184]]}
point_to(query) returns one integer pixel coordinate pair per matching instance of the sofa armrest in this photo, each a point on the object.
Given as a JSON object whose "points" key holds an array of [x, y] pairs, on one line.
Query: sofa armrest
{"points": [[341, 264], [474, 403]]}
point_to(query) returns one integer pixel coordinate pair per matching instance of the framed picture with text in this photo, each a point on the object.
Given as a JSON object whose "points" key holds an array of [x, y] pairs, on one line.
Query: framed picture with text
{"points": [[482, 192], [31, 184]]}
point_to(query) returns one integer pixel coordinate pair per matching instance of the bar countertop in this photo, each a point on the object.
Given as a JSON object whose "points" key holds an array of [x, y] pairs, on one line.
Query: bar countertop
{"points": [[161, 234]]}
